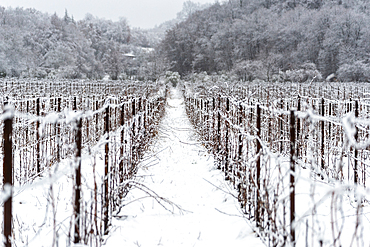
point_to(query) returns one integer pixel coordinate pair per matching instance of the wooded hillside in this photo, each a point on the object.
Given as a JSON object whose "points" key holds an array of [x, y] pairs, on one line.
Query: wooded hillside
{"points": [[34, 44], [275, 38]]}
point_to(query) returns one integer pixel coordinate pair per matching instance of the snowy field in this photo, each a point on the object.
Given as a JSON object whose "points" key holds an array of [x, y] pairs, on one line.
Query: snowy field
{"points": [[178, 199]]}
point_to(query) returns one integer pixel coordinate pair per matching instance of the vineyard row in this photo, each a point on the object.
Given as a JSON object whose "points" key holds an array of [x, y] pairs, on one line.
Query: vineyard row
{"points": [[268, 145], [57, 134]]}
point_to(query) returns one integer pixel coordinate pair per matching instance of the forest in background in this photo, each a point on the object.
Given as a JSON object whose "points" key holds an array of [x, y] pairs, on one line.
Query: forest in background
{"points": [[40, 45], [269, 40], [286, 40], [34, 44]]}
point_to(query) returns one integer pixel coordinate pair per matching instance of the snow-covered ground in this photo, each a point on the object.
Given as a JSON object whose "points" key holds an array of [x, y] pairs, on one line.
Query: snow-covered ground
{"points": [[180, 199]]}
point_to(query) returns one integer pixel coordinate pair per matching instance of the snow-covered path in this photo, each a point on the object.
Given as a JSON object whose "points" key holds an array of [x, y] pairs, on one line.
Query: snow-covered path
{"points": [[180, 170]]}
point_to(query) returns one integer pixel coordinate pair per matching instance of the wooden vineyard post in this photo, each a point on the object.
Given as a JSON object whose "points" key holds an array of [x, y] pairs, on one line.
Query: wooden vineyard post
{"points": [[133, 132], [77, 207], [199, 116], [121, 163], [139, 127], [37, 137], [240, 146], [281, 126], [145, 118], [218, 142], [196, 110], [356, 151], [106, 171], [206, 119], [298, 127], [97, 121], [26, 139], [58, 131], [292, 176], [213, 133], [258, 123], [227, 126], [87, 123], [75, 103], [203, 117], [322, 136], [140, 115], [8, 174]]}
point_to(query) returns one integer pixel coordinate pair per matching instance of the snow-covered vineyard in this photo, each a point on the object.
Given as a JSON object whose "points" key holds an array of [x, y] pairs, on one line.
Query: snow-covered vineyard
{"points": [[297, 154], [75, 147], [205, 163]]}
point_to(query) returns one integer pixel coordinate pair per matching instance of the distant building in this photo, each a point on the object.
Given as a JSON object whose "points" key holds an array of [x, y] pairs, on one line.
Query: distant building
{"points": [[332, 78], [129, 55]]}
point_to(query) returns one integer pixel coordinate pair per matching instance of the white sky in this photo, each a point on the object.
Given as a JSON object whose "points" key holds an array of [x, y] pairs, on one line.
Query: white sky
{"points": [[139, 13]]}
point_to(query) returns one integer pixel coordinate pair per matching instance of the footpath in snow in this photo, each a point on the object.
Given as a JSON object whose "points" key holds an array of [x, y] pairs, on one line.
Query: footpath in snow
{"points": [[196, 206]]}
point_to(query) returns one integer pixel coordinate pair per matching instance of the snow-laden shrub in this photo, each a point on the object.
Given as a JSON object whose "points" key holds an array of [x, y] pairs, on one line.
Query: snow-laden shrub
{"points": [[39, 73], [2, 74], [306, 72], [68, 72], [225, 77], [14, 73], [52, 74], [357, 71], [250, 70], [172, 77], [201, 77], [123, 76], [276, 78]]}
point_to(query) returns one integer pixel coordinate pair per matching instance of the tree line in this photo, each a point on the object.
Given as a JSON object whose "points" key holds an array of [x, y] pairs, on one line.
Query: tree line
{"points": [[274, 40], [35, 44]]}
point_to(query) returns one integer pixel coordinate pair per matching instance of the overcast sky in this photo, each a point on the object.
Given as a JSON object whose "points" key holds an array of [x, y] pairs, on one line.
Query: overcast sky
{"points": [[139, 13]]}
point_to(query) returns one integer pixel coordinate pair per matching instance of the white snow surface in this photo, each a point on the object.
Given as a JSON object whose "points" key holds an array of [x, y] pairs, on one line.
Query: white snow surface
{"points": [[200, 207]]}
